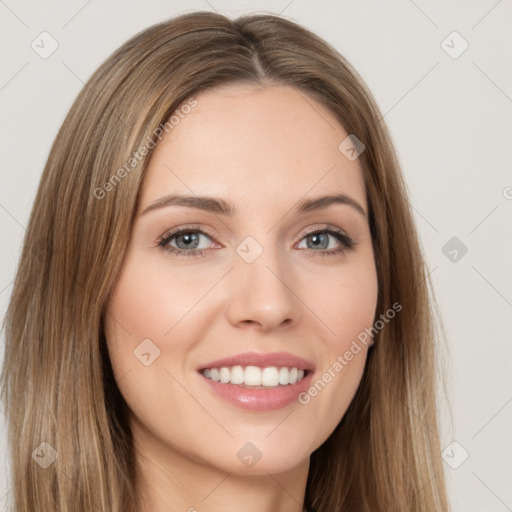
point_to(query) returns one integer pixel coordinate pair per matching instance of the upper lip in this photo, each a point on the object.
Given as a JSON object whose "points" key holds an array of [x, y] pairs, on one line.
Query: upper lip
{"points": [[279, 359]]}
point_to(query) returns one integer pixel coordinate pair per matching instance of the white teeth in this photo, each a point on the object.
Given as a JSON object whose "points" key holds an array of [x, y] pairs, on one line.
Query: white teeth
{"points": [[252, 376], [225, 375], [270, 376], [237, 375]]}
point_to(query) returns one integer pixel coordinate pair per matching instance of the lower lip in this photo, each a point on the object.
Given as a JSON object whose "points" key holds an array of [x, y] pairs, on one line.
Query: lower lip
{"points": [[260, 399]]}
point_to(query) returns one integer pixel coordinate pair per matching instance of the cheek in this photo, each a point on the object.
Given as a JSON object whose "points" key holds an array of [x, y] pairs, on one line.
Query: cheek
{"points": [[346, 304], [154, 316], [151, 302], [347, 309], [143, 307]]}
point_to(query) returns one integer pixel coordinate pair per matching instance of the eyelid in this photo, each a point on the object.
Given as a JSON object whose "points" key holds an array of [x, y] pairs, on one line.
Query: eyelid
{"points": [[207, 231], [323, 227], [187, 227]]}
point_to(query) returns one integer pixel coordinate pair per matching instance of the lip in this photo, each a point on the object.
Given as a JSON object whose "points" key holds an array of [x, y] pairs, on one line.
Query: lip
{"points": [[278, 359], [259, 400]]}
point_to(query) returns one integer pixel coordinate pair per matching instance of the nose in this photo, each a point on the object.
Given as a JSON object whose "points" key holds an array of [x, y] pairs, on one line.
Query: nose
{"points": [[263, 294]]}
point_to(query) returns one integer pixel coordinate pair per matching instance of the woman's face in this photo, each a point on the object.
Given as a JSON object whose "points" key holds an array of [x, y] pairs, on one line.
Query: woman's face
{"points": [[257, 272]]}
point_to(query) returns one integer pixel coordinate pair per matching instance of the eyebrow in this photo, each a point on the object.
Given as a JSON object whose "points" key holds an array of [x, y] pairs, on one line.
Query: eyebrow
{"points": [[222, 207]]}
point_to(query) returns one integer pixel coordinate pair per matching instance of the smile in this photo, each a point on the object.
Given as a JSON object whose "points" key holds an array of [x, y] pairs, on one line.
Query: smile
{"points": [[255, 377]]}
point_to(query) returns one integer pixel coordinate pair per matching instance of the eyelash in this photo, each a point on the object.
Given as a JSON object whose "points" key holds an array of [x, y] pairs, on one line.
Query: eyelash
{"points": [[347, 242]]}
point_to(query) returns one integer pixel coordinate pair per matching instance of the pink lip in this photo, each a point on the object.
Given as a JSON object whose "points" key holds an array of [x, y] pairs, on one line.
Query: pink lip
{"points": [[260, 399], [278, 359]]}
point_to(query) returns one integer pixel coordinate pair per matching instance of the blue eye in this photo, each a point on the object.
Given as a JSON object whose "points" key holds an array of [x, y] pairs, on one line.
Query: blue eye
{"points": [[187, 241], [321, 239]]}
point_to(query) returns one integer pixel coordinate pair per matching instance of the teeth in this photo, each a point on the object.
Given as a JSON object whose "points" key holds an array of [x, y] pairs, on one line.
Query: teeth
{"points": [[283, 376], [270, 376], [252, 376], [237, 375], [225, 375]]}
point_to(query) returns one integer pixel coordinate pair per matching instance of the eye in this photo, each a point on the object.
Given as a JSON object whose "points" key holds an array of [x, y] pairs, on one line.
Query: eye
{"points": [[187, 241], [319, 239]]}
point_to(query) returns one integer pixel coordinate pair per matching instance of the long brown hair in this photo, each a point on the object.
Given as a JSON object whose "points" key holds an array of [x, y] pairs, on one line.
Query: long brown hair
{"points": [[57, 382]]}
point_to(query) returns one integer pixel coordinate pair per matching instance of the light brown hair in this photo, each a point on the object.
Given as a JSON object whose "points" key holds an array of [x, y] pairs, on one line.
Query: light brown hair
{"points": [[57, 382]]}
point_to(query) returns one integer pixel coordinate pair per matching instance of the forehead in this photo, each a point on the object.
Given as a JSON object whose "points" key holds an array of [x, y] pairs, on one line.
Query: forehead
{"points": [[245, 140]]}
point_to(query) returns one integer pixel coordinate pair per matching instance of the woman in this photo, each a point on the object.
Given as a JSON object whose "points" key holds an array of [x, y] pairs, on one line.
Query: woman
{"points": [[221, 302]]}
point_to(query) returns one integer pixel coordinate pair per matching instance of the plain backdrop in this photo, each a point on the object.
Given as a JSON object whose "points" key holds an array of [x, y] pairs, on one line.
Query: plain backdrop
{"points": [[449, 111]]}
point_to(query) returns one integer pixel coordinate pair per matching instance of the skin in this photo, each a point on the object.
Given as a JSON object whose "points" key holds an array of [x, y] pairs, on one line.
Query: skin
{"points": [[262, 149]]}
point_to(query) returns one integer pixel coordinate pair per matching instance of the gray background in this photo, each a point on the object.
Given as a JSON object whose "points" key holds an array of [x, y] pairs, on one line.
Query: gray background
{"points": [[451, 122]]}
